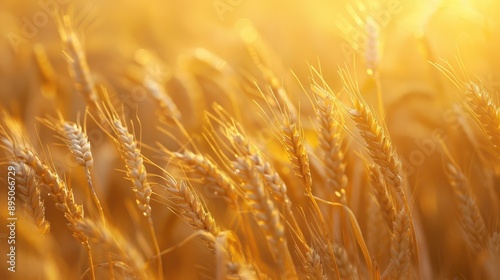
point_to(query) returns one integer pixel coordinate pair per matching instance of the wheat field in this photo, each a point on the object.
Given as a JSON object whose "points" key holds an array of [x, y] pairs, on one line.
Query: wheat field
{"points": [[237, 139]]}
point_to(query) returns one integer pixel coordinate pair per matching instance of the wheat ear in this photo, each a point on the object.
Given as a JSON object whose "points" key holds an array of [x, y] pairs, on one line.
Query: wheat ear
{"points": [[384, 200], [294, 142], [485, 111], [137, 174], [134, 162], [313, 265], [330, 140], [167, 106], [493, 263], [378, 143], [378, 238], [65, 201], [268, 174], [60, 193], [346, 269], [29, 195], [223, 244], [191, 209], [78, 143], [379, 146], [494, 245], [265, 212], [77, 62], [400, 247], [471, 221], [230, 258], [211, 174]]}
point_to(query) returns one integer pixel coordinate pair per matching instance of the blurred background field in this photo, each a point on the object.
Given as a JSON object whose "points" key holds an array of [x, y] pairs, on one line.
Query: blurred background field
{"points": [[207, 51]]}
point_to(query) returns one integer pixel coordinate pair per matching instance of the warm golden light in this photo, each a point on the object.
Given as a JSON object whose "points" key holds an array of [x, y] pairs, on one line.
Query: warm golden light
{"points": [[238, 139]]}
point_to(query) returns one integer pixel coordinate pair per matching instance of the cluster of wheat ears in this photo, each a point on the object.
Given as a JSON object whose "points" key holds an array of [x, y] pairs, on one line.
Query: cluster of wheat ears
{"points": [[263, 186]]}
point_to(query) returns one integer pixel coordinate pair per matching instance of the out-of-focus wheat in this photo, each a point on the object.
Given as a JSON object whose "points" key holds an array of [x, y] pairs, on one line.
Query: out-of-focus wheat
{"points": [[349, 187]]}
